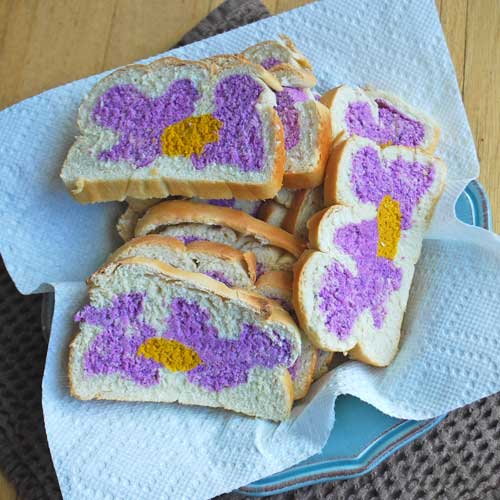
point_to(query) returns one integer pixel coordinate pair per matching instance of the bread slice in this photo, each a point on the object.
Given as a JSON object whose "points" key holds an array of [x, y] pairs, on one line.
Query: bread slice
{"points": [[323, 363], [125, 225], [152, 332], [379, 116], [277, 286], [274, 249], [219, 261], [137, 208], [205, 128], [351, 293], [273, 213], [306, 121], [285, 197], [305, 203], [279, 57], [343, 185], [308, 137]]}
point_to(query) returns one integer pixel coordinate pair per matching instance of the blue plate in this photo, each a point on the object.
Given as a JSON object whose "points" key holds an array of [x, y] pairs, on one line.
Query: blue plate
{"points": [[348, 454]]}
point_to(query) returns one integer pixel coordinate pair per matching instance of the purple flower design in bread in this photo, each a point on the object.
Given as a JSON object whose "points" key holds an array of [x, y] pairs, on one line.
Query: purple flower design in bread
{"points": [[344, 296], [286, 101], [270, 62], [140, 120], [240, 138], [151, 127], [390, 127], [225, 362], [114, 350], [405, 181], [396, 188], [127, 345]]}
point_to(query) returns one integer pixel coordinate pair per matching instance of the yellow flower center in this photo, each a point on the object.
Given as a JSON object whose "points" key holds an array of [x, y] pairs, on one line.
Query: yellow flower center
{"points": [[389, 227], [190, 135], [172, 354]]}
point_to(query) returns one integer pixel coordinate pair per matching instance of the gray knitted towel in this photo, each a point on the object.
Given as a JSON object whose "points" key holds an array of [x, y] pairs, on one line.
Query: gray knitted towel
{"points": [[460, 459]]}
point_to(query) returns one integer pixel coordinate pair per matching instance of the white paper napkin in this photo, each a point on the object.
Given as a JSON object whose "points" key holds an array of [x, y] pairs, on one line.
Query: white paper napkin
{"points": [[451, 345]]}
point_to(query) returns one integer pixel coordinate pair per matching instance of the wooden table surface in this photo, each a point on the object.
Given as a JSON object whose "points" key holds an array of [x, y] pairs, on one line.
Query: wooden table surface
{"points": [[45, 43]]}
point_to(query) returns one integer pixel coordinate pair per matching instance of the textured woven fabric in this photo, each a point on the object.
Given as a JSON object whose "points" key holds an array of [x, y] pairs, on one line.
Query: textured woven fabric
{"points": [[460, 459], [24, 453], [230, 15], [457, 460]]}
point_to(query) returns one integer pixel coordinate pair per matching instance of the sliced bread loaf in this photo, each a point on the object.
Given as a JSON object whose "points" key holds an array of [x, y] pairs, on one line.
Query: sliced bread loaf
{"points": [[277, 286], [379, 116], [306, 121], [351, 293], [274, 249], [221, 262], [152, 332], [206, 128], [305, 203]]}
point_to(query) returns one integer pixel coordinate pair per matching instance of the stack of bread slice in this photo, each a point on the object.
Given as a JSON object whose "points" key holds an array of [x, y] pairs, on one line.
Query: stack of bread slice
{"points": [[380, 189], [265, 229]]}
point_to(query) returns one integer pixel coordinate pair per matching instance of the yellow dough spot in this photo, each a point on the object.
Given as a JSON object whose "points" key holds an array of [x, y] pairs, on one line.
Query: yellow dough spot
{"points": [[172, 354], [190, 135], [389, 227]]}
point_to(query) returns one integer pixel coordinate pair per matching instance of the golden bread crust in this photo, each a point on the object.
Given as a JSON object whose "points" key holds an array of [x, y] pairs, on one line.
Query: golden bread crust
{"points": [[314, 177], [331, 173], [210, 248], [297, 294], [180, 211], [276, 279], [291, 220]]}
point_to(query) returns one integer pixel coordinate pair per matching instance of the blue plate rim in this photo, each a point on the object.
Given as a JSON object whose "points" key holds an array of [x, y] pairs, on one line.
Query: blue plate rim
{"points": [[386, 443], [391, 440]]}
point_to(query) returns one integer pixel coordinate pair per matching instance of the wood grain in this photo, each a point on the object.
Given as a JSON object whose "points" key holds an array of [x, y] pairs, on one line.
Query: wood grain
{"points": [[7, 491], [45, 43], [482, 92], [143, 28], [453, 14]]}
